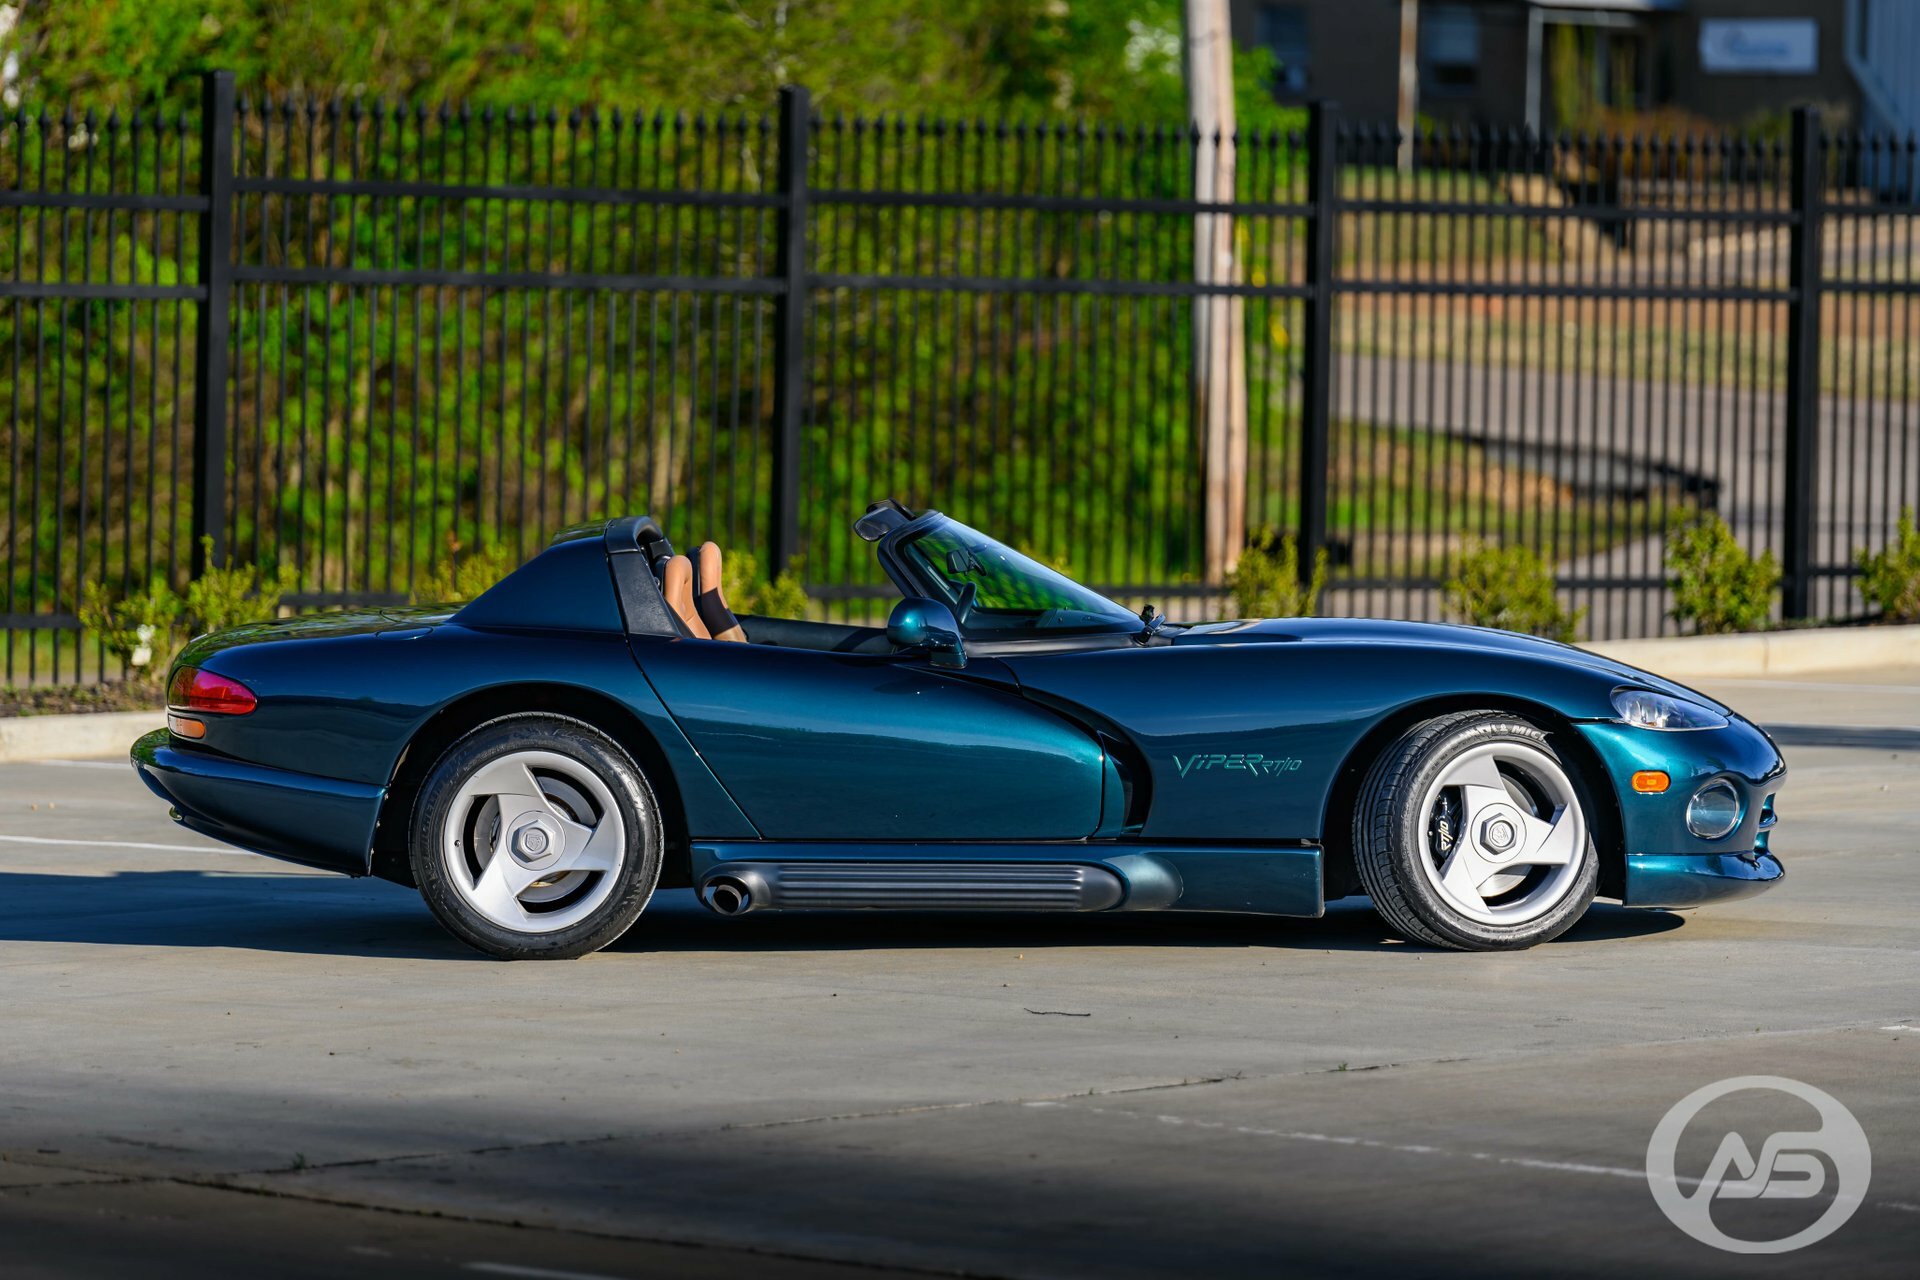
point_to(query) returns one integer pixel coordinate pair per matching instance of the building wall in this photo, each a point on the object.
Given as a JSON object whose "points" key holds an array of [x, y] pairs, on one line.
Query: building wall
{"points": [[1736, 99], [1355, 49], [1353, 52]]}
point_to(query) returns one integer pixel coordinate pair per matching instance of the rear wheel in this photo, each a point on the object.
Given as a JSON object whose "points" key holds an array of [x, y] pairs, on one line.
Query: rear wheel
{"points": [[1471, 833], [536, 837]]}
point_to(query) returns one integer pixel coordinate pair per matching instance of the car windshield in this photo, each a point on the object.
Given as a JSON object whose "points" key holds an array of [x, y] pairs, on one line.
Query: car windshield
{"points": [[1012, 594]]}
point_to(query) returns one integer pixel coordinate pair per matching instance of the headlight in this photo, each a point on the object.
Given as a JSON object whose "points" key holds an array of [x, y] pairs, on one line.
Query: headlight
{"points": [[1645, 709]]}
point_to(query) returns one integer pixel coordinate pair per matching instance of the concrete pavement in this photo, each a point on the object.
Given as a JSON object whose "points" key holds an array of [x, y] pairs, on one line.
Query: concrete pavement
{"points": [[204, 1048]]}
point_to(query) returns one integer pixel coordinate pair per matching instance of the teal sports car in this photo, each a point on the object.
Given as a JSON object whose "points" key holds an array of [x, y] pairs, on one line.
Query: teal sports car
{"points": [[599, 725]]}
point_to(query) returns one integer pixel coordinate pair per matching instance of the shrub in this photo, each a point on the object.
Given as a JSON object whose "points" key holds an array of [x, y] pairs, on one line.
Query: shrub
{"points": [[749, 593], [1716, 585], [1512, 589], [1891, 578], [459, 578], [226, 595], [132, 626], [1266, 581]]}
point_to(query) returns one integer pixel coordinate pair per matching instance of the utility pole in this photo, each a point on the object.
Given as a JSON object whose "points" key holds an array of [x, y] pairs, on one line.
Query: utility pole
{"points": [[1219, 342], [1409, 100]]}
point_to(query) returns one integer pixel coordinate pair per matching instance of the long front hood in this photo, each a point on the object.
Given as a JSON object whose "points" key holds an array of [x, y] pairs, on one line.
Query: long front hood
{"points": [[1423, 636]]}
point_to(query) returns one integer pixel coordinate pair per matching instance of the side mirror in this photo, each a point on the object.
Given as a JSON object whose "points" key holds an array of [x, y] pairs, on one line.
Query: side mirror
{"points": [[927, 626]]}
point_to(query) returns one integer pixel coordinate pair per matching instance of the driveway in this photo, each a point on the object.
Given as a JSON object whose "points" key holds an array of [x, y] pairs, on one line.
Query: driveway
{"points": [[215, 1064]]}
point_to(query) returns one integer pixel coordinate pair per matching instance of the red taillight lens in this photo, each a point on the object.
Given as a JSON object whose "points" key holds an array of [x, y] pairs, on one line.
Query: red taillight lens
{"points": [[195, 690]]}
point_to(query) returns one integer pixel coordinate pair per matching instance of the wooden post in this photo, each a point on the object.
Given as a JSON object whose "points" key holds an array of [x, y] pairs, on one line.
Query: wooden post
{"points": [[1219, 357], [1408, 106]]}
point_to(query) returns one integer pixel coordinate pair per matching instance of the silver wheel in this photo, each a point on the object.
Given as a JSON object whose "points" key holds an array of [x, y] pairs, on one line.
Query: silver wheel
{"points": [[1502, 837], [533, 841]]}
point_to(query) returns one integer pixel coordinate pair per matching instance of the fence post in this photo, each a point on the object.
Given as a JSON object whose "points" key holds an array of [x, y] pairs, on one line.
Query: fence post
{"points": [[790, 325], [1316, 332], [1803, 364], [209, 518]]}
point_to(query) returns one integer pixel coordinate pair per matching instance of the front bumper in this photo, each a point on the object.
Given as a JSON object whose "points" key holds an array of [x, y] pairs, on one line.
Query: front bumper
{"points": [[1690, 879], [316, 822], [1666, 864]]}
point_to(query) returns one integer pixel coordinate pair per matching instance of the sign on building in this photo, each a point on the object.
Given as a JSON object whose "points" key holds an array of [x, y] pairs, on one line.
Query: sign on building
{"points": [[1760, 46]]}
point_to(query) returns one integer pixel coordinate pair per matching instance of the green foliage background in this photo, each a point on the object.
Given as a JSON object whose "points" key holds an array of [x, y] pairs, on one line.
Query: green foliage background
{"points": [[496, 415], [1102, 59]]}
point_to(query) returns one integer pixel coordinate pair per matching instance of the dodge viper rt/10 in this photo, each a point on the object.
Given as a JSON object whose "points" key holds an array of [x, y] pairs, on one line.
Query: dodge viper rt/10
{"points": [[599, 725]]}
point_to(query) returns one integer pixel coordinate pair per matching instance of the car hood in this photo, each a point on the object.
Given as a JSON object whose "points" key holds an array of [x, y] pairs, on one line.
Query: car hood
{"points": [[1426, 636]]}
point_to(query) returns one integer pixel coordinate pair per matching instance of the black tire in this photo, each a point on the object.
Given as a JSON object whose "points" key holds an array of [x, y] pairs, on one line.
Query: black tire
{"points": [[633, 880], [1391, 836]]}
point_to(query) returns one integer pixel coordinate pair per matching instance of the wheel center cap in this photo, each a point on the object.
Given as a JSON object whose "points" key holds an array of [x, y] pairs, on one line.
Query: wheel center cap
{"points": [[1499, 836], [534, 843]]}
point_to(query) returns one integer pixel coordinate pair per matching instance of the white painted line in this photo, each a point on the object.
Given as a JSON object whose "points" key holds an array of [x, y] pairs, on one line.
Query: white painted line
{"points": [[1408, 1148], [1900, 1026], [125, 844], [532, 1273], [1823, 686], [83, 764]]}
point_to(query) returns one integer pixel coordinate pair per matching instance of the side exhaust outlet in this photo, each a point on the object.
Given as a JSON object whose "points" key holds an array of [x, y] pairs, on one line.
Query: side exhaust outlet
{"points": [[731, 896]]}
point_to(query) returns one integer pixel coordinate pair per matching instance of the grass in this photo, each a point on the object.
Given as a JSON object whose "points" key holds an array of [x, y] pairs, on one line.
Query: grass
{"points": [[1869, 354], [1403, 503], [1406, 503]]}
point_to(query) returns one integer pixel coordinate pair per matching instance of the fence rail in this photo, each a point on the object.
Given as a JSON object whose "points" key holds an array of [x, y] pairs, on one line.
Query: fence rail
{"points": [[354, 339]]}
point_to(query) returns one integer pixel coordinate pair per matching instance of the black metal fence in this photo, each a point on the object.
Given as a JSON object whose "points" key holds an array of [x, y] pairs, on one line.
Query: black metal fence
{"points": [[357, 338]]}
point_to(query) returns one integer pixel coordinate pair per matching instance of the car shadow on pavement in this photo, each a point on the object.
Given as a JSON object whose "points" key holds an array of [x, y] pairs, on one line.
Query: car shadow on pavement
{"points": [[289, 912], [319, 915], [677, 923]]}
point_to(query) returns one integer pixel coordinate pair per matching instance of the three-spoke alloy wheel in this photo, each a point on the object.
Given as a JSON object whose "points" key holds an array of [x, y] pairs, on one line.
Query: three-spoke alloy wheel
{"points": [[1471, 833], [536, 837]]}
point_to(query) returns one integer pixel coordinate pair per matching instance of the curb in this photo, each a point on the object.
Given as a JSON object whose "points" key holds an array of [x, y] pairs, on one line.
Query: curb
{"points": [[1769, 653], [74, 737]]}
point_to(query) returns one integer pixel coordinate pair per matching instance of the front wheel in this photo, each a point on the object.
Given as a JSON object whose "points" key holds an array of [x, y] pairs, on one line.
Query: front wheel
{"points": [[536, 837], [1471, 833]]}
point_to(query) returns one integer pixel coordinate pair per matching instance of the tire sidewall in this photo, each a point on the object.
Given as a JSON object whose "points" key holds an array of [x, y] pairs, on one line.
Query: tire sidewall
{"points": [[1407, 821], [639, 810]]}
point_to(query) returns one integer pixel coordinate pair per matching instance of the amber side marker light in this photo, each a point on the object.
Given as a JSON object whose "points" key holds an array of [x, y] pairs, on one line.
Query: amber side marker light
{"points": [[195, 690], [1651, 782], [185, 728]]}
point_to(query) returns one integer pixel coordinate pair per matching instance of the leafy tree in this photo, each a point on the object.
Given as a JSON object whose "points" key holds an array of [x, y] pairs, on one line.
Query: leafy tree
{"points": [[1098, 58], [230, 595], [747, 590], [134, 627], [462, 575], [1266, 581], [1716, 584], [1890, 578], [1510, 588]]}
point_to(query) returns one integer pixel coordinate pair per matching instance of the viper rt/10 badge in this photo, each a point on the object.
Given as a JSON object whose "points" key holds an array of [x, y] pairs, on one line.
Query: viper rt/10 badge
{"points": [[1249, 762]]}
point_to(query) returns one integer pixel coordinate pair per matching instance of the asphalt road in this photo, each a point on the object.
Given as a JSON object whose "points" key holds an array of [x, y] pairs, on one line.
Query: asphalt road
{"points": [[214, 1064]]}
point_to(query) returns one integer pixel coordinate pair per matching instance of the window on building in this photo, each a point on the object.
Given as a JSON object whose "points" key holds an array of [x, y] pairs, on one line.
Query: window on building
{"points": [[1449, 48], [1281, 29]]}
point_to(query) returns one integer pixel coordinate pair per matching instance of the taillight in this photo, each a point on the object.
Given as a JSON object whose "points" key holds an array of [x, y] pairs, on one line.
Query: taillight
{"points": [[195, 690]]}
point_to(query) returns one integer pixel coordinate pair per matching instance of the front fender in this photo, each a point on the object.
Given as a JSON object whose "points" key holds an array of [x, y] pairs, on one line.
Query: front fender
{"points": [[1656, 824]]}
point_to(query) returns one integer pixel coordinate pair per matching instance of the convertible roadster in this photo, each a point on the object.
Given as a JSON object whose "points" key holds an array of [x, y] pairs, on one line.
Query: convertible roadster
{"points": [[599, 724]]}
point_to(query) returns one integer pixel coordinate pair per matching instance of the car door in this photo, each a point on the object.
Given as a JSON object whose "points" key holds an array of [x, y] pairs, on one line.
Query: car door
{"points": [[879, 747]]}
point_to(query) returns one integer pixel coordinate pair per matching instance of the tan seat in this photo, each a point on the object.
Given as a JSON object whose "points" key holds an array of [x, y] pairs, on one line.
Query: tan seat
{"points": [[712, 602], [676, 584]]}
